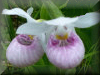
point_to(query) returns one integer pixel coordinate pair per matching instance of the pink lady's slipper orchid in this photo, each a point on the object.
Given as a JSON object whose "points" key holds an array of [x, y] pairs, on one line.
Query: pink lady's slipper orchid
{"points": [[63, 46]]}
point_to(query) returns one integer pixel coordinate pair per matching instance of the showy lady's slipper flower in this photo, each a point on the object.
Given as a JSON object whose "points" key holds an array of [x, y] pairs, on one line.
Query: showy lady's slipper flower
{"points": [[24, 49], [64, 47]]}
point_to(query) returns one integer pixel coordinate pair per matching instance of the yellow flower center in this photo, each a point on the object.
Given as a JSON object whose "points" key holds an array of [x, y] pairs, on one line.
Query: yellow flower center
{"points": [[31, 37], [64, 37]]}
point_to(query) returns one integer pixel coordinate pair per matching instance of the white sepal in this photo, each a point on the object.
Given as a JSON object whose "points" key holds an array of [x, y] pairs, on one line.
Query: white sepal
{"points": [[61, 21], [19, 12], [87, 20], [34, 28], [30, 11]]}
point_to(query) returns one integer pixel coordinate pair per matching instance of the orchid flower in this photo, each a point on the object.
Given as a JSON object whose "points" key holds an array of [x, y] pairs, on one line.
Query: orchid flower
{"points": [[62, 45], [64, 48], [24, 50]]}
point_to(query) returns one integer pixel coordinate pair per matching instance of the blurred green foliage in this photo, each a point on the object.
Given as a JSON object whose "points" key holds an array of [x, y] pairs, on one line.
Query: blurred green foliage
{"points": [[49, 9]]}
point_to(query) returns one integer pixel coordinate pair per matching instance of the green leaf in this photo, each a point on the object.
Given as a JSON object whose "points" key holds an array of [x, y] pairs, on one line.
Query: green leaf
{"points": [[71, 71], [44, 14], [2, 57], [9, 22], [30, 70], [52, 9], [12, 3], [40, 62], [38, 3], [45, 69], [64, 5], [36, 14], [10, 27], [91, 54], [52, 70], [85, 38]]}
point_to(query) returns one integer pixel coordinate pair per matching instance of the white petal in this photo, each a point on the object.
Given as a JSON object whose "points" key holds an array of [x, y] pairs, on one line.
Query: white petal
{"points": [[87, 20], [61, 21], [17, 11], [34, 28], [30, 10]]}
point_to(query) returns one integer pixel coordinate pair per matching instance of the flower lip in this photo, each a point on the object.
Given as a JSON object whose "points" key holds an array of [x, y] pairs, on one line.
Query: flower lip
{"points": [[65, 54], [70, 41], [24, 39]]}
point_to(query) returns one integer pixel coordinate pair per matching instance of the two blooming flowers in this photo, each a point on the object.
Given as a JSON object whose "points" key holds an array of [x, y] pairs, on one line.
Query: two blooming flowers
{"points": [[56, 37]]}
